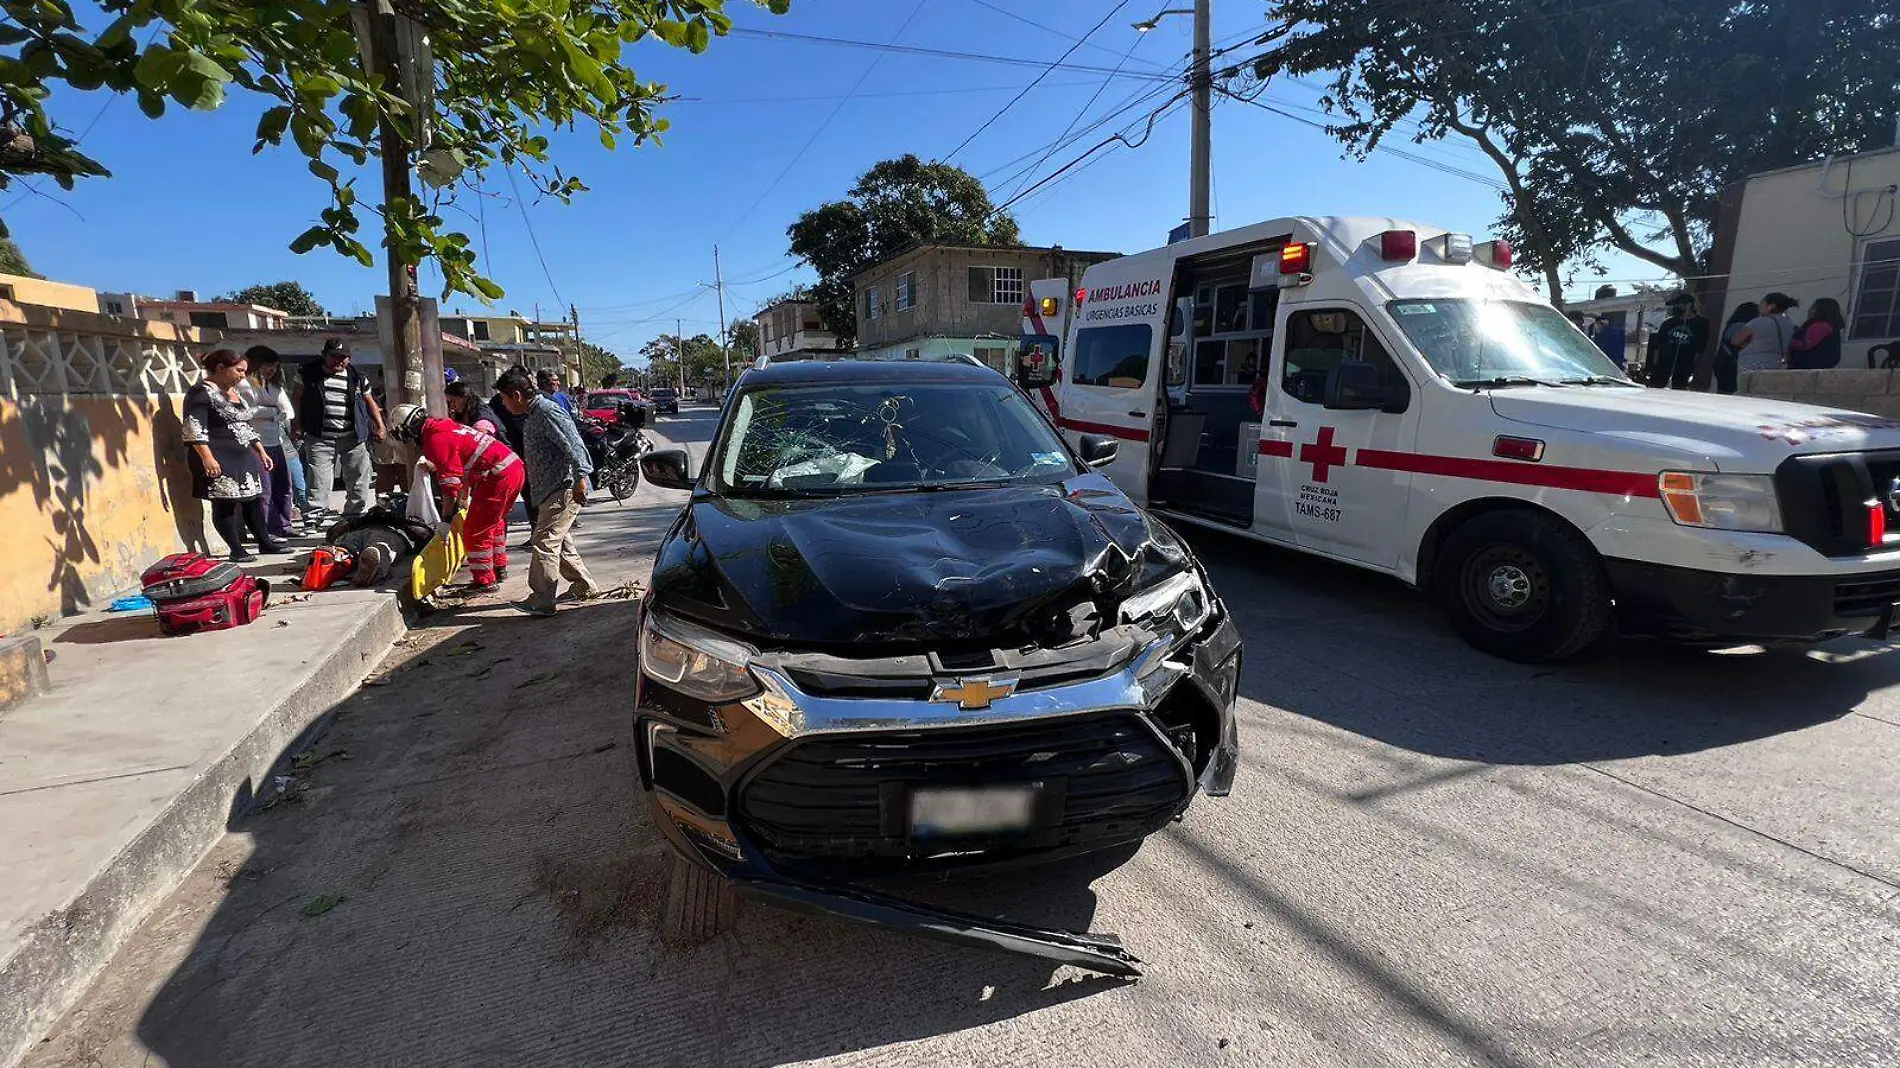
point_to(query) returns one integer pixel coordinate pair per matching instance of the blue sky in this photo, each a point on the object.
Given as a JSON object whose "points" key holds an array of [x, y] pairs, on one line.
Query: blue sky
{"points": [[189, 207]]}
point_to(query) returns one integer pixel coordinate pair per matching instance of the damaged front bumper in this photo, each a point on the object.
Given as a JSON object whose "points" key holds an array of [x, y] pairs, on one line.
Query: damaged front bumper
{"points": [[800, 790]]}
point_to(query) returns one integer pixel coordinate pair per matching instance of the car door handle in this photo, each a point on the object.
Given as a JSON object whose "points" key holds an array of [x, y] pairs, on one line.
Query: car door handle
{"points": [[1139, 415], [1282, 422]]}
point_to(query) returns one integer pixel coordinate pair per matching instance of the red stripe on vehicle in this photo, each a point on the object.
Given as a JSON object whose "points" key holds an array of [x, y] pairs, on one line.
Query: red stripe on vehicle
{"points": [[1126, 433], [1269, 447], [1586, 479]]}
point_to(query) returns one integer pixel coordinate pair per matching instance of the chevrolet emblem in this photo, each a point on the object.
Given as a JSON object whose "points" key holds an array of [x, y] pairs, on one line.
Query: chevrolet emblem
{"points": [[975, 692]]}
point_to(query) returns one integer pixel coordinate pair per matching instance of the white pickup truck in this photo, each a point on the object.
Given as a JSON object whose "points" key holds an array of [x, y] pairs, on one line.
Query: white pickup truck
{"points": [[1422, 413]]}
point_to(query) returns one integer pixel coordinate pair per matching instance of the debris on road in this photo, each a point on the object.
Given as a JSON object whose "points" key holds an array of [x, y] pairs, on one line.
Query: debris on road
{"points": [[323, 903]]}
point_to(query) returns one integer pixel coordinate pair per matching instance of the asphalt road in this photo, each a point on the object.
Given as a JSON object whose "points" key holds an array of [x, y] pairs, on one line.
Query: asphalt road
{"points": [[1652, 856]]}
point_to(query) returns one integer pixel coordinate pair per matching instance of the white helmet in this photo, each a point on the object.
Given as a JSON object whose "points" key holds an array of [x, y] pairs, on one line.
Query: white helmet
{"points": [[405, 421]]}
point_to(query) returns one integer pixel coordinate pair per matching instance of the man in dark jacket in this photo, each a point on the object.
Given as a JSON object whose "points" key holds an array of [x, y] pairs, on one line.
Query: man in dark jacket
{"points": [[1676, 345], [338, 418]]}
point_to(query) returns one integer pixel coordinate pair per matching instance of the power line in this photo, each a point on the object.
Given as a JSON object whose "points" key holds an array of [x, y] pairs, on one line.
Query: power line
{"points": [[1083, 40], [1034, 82], [1148, 129], [939, 53], [1413, 157], [813, 139], [532, 239], [1083, 110], [864, 96]]}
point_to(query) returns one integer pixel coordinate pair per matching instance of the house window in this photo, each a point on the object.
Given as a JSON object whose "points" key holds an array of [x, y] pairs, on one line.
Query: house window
{"points": [[913, 354], [996, 285], [210, 320], [1877, 300], [6, 292], [906, 291], [994, 357], [481, 330], [874, 301], [114, 307]]}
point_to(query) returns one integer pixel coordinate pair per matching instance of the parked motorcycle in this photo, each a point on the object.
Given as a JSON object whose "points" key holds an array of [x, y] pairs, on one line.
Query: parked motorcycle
{"points": [[616, 448]]}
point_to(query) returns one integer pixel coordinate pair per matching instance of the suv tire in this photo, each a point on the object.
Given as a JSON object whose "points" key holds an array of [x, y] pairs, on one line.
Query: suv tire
{"points": [[699, 904], [1523, 586]]}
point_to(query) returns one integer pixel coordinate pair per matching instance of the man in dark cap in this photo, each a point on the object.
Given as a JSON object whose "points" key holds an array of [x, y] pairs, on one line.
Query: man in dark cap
{"points": [[1677, 344], [338, 418]]}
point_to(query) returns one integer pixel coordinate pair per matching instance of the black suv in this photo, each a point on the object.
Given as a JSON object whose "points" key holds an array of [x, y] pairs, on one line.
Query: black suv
{"points": [[902, 625]]}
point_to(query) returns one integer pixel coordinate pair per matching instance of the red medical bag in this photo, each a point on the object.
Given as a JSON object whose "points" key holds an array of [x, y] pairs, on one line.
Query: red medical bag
{"points": [[193, 592]]}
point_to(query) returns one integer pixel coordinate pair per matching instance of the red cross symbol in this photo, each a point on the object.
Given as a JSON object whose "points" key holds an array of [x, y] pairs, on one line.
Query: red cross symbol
{"points": [[1323, 454]]}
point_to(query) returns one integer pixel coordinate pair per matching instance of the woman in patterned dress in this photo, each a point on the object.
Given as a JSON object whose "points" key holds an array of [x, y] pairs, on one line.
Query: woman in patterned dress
{"points": [[228, 460]]}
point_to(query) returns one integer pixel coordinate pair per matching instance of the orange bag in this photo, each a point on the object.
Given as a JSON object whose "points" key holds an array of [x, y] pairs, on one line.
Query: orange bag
{"points": [[327, 564]]}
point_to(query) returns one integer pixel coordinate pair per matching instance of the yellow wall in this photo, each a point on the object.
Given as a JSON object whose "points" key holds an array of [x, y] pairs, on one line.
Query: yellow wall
{"points": [[51, 294], [93, 489]]}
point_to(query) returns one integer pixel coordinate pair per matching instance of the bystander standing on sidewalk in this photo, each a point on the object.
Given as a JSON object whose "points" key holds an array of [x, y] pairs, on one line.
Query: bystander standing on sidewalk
{"points": [[1727, 352], [1762, 345], [558, 469], [551, 389], [1677, 345], [228, 462], [1818, 343], [338, 419], [271, 416], [467, 409]]}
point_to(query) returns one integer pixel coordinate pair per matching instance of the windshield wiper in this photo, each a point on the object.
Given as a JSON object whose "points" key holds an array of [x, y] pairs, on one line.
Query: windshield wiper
{"points": [[1597, 380], [1502, 381]]}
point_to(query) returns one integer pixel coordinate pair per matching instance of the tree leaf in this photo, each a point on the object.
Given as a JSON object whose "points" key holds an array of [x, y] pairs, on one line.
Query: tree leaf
{"points": [[310, 239], [323, 170], [270, 126]]}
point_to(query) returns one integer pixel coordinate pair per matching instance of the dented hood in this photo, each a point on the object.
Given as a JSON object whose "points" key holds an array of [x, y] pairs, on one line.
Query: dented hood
{"points": [[1737, 432], [999, 563]]}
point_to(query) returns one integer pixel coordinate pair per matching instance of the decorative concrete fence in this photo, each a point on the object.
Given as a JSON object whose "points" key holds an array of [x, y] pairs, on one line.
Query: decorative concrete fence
{"points": [[93, 483], [1857, 390]]}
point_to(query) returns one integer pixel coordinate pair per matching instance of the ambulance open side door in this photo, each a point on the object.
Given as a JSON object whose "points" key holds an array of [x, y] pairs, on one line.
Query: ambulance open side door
{"points": [[1111, 384]]}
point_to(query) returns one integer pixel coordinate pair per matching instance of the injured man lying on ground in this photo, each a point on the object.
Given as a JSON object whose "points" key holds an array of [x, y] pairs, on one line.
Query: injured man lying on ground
{"points": [[366, 549]]}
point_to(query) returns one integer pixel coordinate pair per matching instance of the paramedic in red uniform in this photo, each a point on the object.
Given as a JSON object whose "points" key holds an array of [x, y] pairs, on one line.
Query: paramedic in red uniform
{"points": [[469, 463]]}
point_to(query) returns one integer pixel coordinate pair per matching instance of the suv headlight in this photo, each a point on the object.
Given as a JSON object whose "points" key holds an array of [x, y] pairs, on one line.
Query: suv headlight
{"points": [[1182, 598], [1721, 502], [693, 660]]}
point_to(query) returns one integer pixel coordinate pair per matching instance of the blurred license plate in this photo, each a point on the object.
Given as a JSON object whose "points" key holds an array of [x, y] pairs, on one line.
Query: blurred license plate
{"points": [[971, 811]]}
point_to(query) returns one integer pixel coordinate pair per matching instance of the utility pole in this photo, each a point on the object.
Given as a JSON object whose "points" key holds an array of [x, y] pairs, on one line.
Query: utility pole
{"points": [[1200, 149], [405, 356], [719, 287], [574, 316], [679, 351]]}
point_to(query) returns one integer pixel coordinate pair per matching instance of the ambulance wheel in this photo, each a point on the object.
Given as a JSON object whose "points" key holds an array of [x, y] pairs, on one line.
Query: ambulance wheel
{"points": [[1523, 586]]}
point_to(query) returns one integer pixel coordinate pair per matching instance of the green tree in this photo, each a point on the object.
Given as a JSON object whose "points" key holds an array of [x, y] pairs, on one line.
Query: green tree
{"points": [[743, 340], [13, 261], [705, 365], [289, 297], [597, 363], [1608, 132], [895, 205], [503, 73]]}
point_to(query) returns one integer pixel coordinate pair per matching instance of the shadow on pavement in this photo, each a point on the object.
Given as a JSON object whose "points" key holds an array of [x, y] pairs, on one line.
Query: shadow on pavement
{"points": [[1369, 655], [463, 872]]}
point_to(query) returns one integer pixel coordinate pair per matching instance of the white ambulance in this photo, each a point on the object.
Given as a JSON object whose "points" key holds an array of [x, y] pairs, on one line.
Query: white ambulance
{"points": [[1387, 395]]}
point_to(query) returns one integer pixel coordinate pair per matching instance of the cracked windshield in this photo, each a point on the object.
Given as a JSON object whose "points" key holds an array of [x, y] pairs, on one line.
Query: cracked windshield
{"points": [[818, 440]]}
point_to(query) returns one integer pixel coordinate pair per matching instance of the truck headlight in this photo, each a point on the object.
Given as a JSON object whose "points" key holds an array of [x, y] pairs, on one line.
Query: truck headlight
{"points": [[1721, 502], [693, 660]]}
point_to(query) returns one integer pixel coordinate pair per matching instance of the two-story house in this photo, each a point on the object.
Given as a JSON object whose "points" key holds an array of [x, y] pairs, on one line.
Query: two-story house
{"points": [[791, 329], [939, 299]]}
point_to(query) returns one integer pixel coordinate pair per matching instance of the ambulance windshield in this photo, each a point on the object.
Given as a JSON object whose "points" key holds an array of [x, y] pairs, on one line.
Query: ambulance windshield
{"points": [[1503, 342]]}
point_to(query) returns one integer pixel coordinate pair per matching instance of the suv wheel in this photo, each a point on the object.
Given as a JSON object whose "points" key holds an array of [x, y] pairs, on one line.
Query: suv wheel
{"points": [[1523, 586], [699, 904]]}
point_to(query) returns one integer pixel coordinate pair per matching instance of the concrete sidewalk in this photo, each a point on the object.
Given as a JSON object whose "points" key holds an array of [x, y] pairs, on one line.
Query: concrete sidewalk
{"points": [[114, 784]]}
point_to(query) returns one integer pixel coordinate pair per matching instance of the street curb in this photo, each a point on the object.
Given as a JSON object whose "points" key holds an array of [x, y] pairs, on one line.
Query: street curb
{"points": [[65, 950]]}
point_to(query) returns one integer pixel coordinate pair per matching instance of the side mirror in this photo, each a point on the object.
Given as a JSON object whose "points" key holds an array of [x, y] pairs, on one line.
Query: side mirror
{"points": [[633, 415], [1097, 450], [1355, 385], [666, 468]]}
